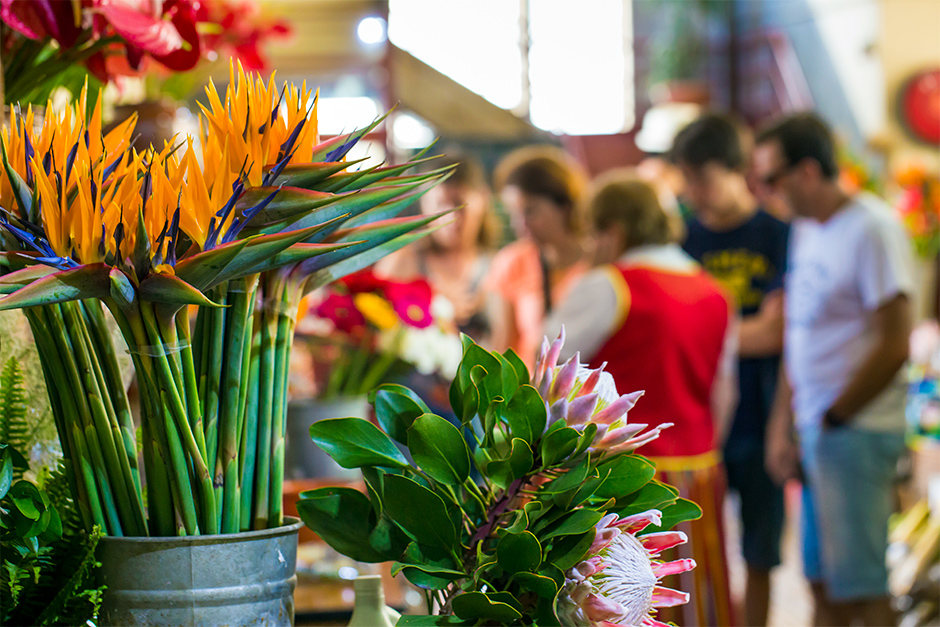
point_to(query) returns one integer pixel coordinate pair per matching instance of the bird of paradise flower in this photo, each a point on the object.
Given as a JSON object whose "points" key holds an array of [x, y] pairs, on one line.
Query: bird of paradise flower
{"points": [[149, 233]]}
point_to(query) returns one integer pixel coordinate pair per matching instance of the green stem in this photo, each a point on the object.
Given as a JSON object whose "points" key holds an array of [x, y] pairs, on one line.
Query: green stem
{"points": [[108, 431], [285, 337], [117, 391], [249, 443], [266, 381]]}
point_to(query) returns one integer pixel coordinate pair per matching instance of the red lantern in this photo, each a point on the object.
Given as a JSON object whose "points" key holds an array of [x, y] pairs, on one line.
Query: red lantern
{"points": [[920, 106]]}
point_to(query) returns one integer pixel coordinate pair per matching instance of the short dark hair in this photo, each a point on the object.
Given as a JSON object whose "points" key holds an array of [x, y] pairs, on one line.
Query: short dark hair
{"points": [[714, 137], [804, 136]]}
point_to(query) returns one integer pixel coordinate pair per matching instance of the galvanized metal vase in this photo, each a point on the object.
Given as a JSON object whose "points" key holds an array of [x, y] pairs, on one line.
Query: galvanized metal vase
{"points": [[232, 580]]}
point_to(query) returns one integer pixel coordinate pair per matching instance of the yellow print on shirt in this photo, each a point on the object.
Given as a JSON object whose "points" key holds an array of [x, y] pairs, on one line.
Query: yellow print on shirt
{"points": [[737, 270]]}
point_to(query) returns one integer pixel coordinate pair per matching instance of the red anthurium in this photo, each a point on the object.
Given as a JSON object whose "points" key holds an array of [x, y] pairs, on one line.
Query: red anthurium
{"points": [[38, 19], [412, 302]]}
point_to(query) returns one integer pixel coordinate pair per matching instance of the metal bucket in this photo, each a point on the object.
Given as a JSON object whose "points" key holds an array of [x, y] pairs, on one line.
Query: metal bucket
{"points": [[232, 580], [302, 458]]}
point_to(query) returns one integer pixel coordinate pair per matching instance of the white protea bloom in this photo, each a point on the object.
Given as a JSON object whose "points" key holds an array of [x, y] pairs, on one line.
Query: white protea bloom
{"points": [[617, 584], [581, 396]]}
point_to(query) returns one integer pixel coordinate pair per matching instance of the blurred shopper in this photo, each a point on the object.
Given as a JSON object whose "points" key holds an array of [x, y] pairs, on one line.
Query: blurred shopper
{"points": [[848, 319], [541, 188], [664, 326], [745, 248], [456, 257]]}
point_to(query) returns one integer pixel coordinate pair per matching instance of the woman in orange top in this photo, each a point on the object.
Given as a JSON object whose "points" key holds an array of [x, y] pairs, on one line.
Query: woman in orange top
{"points": [[541, 188]]}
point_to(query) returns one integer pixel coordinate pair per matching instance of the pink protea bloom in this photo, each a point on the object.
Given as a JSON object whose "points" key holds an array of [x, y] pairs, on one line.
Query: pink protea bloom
{"points": [[581, 396], [617, 583]]}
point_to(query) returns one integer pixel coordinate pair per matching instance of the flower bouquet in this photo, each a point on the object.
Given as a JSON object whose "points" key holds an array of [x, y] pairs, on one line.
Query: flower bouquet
{"points": [[239, 233], [52, 43], [373, 324], [564, 526], [919, 208]]}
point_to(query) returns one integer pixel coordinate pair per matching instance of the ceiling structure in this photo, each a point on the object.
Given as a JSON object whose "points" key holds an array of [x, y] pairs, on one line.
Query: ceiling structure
{"points": [[325, 48]]}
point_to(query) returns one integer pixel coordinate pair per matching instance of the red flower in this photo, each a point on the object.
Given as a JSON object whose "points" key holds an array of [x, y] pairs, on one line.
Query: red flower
{"points": [[364, 281], [164, 30], [38, 19], [341, 311], [412, 302]]}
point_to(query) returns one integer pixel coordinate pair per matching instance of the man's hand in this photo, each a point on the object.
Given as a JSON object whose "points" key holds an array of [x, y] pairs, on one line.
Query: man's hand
{"points": [[782, 457], [781, 454]]}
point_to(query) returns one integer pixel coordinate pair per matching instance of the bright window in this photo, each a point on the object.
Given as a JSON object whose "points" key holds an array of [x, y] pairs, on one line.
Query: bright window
{"points": [[580, 55]]}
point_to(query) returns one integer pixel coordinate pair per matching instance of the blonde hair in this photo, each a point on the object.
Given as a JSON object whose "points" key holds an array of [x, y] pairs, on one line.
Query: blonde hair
{"points": [[547, 171], [619, 198]]}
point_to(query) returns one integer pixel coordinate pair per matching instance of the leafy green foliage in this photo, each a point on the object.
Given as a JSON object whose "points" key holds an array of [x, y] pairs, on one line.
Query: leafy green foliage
{"points": [[492, 549], [13, 426]]}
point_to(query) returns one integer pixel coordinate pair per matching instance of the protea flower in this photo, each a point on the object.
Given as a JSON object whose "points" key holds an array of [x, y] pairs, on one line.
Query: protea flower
{"points": [[581, 396], [617, 582]]}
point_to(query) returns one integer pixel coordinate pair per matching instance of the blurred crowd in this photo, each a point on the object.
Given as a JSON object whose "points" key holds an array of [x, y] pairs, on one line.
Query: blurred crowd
{"points": [[764, 309]]}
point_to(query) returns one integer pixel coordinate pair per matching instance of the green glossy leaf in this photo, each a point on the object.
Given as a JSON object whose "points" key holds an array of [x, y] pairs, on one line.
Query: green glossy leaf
{"points": [[13, 281], [628, 473], [27, 499], [477, 606], [654, 495], [426, 577], [567, 551], [396, 407], [258, 253], [418, 620], [83, 282], [519, 552], [680, 511], [519, 462], [508, 377], [6, 474], [343, 517], [201, 269], [557, 445], [522, 373], [420, 513], [289, 204], [526, 414], [541, 585], [577, 522], [353, 259], [427, 567], [572, 479], [586, 439], [439, 449], [470, 403], [165, 288], [306, 175], [387, 538], [355, 442]]}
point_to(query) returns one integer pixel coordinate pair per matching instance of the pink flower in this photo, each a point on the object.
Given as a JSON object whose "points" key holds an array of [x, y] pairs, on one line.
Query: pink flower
{"points": [[617, 584], [412, 302], [581, 396]]}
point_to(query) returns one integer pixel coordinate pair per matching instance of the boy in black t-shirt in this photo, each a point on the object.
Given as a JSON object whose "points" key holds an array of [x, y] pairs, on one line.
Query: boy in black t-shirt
{"points": [[745, 248]]}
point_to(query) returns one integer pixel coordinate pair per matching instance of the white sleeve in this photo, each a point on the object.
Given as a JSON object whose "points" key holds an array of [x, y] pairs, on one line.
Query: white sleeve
{"points": [[588, 315], [885, 266]]}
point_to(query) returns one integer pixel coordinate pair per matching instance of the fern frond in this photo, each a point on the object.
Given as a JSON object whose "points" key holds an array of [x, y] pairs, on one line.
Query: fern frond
{"points": [[14, 430]]}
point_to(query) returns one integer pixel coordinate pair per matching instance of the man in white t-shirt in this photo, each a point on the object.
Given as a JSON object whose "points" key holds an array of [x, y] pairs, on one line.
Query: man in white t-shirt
{"points": [[848, 318]]}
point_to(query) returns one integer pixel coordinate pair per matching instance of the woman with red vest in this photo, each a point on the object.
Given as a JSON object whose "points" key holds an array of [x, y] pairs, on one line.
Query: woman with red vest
{"points": [[664, 326]]}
